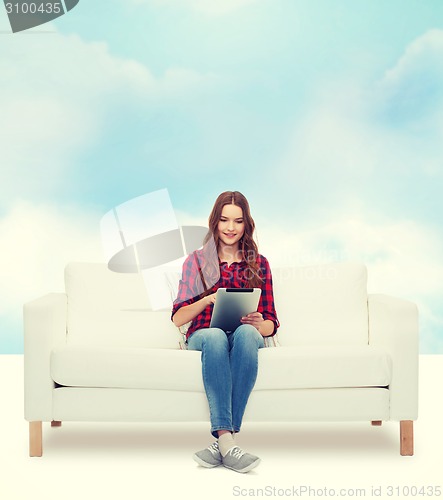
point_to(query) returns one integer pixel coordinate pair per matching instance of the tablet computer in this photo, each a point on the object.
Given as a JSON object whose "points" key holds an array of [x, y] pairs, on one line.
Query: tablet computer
{"points": [[231, 304]]}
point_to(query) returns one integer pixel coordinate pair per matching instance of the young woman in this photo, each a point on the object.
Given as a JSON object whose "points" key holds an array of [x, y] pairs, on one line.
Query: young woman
{"points": [[229, 259]]}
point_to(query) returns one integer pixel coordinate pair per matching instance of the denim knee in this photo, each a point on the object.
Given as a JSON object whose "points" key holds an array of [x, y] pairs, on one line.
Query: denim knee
{"points": [[248, 335], [215, 338], [212, 337]]}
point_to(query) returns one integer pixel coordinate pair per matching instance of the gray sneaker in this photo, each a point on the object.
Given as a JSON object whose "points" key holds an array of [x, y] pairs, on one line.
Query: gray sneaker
{"points": [[240, 461], [209, 457]]}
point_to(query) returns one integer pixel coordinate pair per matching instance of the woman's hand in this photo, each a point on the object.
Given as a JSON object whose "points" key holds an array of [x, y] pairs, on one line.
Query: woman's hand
{"points": [[264, 326], [254, 319], [210, 299], [188, 313]]}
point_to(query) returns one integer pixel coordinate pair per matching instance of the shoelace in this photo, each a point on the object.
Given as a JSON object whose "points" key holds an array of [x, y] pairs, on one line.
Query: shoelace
{"points": [[236, 452], [213, 448]]}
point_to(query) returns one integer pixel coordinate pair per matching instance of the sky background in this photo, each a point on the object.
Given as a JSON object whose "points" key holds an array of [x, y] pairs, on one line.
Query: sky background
{"points": [[326, 114]]}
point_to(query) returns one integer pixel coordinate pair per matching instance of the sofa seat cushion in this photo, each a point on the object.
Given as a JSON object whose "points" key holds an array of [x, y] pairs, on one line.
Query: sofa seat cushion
{"points": [[169, 369], [312, 367], [127, 368]]}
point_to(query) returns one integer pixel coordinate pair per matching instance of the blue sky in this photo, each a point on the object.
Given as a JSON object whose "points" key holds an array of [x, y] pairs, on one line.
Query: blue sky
{"points": [[326, 114]]}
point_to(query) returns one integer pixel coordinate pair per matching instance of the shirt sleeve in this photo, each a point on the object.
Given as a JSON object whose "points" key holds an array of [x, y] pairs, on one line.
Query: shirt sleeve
{"points": [[266, 304], [186, 287]]}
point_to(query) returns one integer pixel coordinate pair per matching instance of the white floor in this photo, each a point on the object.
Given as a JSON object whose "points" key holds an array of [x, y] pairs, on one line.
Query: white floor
{"points": [[146, 461]]}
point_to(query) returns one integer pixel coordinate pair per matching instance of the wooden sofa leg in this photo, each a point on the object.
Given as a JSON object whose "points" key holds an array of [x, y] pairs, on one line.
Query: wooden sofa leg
{"points": [[406, 437], [376, 422], [35, 439], [56, 423]]}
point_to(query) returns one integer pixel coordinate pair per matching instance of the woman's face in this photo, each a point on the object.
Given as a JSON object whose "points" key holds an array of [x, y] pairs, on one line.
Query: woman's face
{"points": [[231, 226]]}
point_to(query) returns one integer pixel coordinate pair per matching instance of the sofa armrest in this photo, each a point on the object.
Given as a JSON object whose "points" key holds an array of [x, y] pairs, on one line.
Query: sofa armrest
{"points": [[44, 321], [393, 325]]}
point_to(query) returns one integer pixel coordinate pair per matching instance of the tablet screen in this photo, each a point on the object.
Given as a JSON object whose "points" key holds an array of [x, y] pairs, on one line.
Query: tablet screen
{"points": [[231, 304]]}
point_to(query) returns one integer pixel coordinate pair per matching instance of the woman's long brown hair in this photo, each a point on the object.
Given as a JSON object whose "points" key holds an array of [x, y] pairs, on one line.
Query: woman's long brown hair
{"points": [[248, 247]]}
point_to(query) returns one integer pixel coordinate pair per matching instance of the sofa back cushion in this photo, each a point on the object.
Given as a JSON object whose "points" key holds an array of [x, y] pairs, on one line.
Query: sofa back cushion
{"points": [[112, 309], [322, 305]]}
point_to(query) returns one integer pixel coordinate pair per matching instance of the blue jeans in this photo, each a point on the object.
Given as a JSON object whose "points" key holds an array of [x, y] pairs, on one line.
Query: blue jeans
{"points": [[229, 368]]}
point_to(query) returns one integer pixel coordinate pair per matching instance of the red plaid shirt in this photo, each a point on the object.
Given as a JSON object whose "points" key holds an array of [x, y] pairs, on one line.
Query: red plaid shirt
{"points": [[232, 276]]}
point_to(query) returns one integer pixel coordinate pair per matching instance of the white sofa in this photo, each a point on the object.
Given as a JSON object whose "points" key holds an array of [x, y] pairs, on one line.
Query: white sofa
{"points": [[98, 353]]}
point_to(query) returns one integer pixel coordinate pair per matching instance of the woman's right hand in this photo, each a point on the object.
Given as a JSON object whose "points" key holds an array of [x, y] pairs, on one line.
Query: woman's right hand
{"points": [[188, 313], [210, 299]]}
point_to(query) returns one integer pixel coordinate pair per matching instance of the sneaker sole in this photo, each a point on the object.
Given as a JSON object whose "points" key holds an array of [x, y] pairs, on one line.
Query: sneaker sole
{"points": [[245, 469], [205, 464]]}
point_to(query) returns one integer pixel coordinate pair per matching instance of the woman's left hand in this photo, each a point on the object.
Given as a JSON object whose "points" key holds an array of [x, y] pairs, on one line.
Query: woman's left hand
{"points": [[254, 319]]}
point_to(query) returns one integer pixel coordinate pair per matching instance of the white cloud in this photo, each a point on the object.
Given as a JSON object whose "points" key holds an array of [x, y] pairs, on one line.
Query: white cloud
{"points": [[354, 136], [422, 57], [404, 256], [37, 242], [410, 94], [331, 138], [55, 103]]}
